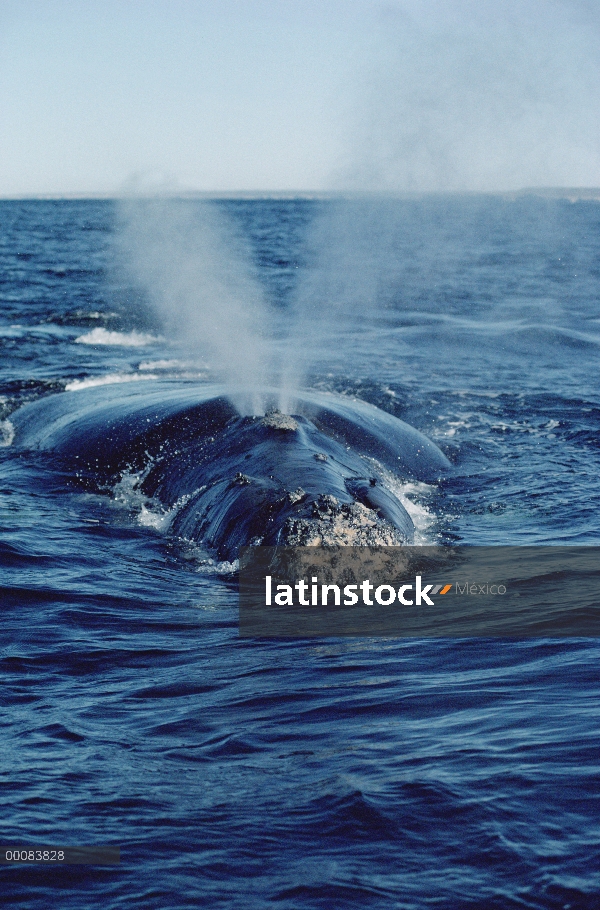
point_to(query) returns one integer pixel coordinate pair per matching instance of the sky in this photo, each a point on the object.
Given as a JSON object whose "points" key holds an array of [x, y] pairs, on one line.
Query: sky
{"points": [[297, 95]]}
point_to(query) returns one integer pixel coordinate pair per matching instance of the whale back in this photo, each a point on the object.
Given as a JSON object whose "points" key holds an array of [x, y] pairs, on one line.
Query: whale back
{"points": [[375, 433], [228, 480], [110, 428]]}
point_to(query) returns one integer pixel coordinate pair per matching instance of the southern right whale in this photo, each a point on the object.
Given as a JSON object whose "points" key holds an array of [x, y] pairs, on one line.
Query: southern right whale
{"points": [[317, 476]]}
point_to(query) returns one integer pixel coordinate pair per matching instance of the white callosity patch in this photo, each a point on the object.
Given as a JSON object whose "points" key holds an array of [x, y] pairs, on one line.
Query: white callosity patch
{"points": [[336, 524]]}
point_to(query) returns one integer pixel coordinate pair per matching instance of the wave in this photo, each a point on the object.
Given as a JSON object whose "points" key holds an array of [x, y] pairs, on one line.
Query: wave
{"points": [[44, 329], [102, 336], [161, 365], [112, 378]]}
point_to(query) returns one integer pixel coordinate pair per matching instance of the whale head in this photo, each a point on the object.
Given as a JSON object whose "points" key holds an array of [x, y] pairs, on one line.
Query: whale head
{"points": [[316, 477]]}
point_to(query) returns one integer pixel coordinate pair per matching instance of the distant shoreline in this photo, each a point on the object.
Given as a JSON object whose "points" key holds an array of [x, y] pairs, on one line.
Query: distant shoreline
{"points": [[571, 194]]}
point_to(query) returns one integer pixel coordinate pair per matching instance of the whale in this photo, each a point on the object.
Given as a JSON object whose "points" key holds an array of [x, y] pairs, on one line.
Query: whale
{"points": [[319, 475]]}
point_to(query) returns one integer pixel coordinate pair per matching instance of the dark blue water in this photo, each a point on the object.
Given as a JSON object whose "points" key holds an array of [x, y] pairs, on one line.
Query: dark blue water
{"points": [[306, 774]]}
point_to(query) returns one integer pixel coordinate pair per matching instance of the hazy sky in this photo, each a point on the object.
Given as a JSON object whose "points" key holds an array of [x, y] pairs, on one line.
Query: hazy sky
{"points": [[295, 94]]}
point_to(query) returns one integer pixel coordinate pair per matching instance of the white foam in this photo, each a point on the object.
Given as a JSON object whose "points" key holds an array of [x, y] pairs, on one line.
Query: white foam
{"points": [[453, 426], [7, 433], [154, 518], [413, 496], [204, 563], [220, 568], [160, 365], [148, 512], [77, 384], [123, 339]]}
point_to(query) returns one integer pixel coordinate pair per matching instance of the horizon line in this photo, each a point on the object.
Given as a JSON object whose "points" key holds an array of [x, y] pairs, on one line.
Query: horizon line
{"points": [[573, 193]]}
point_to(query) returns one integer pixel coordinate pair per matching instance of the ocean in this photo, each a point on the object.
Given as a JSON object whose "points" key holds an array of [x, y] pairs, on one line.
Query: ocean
{"points": [[307, 773]]}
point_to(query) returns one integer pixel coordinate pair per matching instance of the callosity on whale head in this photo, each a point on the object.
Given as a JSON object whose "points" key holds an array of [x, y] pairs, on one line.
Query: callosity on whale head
{"points": [[316, 477]]}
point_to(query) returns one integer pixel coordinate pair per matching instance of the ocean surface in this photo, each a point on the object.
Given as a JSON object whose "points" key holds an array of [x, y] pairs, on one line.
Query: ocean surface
{"points": [[355, 773]]}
